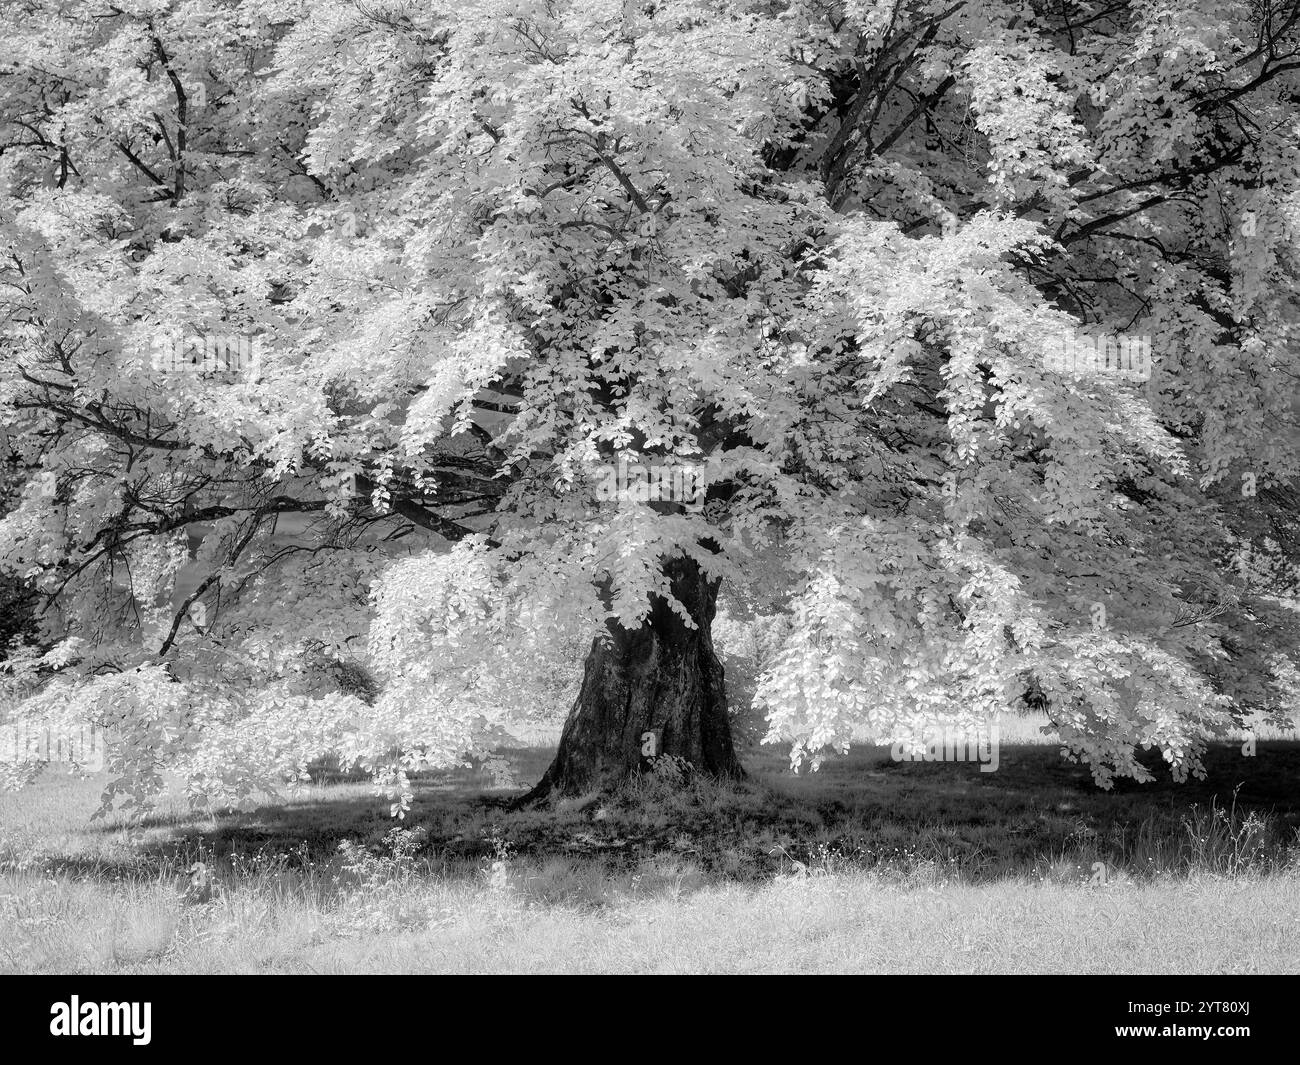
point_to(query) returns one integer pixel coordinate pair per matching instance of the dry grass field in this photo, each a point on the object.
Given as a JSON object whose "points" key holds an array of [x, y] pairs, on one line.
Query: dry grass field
{"points": [[865, 866]]}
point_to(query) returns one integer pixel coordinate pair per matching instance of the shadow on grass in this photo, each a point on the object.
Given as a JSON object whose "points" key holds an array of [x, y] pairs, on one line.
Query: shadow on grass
{"points": [[1037, 816]]}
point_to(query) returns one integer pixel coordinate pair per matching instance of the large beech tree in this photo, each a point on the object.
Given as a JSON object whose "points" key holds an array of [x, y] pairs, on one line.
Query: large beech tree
{"points": [[816, 255]]}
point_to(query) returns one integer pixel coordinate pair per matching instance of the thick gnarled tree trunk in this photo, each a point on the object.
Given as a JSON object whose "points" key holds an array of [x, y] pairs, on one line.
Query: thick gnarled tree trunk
{"points": [[663, 679]]}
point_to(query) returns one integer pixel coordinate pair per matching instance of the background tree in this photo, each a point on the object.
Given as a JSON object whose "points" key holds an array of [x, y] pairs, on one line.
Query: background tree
{"points": [[18, 605]]}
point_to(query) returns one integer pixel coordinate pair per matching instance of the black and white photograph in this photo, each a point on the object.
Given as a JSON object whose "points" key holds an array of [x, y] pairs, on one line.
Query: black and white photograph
{"points": [[650, 487]]}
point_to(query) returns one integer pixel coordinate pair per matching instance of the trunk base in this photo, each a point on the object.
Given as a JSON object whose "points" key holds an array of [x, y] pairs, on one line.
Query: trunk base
{"points": [[647, 693]]}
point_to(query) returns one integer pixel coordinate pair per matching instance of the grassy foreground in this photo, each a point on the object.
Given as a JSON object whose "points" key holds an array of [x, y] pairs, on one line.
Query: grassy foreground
{"points": [[867, 866]]}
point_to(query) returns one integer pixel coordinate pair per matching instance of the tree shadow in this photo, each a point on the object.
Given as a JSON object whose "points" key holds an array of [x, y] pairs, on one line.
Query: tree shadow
{"points": [[862, 810]]}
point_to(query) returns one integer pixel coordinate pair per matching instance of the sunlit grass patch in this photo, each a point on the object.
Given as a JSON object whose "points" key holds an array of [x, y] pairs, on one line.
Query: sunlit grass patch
{"points": [[766, 874]]}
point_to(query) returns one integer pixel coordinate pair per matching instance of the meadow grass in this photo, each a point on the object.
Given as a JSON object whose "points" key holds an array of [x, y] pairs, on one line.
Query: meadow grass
{"points": [[867, 865]]}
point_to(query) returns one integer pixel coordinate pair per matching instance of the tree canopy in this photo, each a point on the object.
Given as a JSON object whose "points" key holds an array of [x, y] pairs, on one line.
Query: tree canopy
{"points": [[824, 257]]}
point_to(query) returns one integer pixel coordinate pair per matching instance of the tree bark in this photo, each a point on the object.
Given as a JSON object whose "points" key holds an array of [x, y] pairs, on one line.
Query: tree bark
{"points": [[654, 690]]}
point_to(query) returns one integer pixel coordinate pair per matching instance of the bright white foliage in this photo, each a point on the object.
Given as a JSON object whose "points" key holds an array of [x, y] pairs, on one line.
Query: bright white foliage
{"points": [[488, 249]]}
